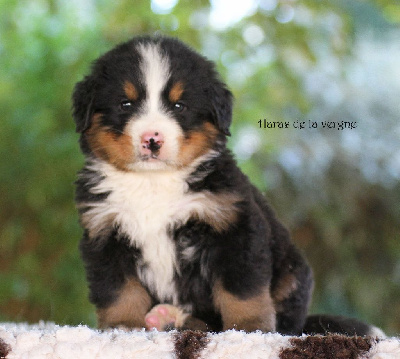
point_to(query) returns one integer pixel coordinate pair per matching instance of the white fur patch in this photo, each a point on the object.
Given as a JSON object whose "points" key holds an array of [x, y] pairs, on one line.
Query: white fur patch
{"points": [[155, 69], [143, 205]]}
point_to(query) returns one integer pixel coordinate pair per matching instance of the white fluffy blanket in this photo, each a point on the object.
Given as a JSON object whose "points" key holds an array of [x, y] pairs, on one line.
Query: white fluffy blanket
{"points": [[47, 340]]}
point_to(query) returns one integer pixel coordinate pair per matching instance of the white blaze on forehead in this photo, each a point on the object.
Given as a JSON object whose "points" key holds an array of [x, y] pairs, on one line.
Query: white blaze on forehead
{"points": [[155, 70], [154, 118]]}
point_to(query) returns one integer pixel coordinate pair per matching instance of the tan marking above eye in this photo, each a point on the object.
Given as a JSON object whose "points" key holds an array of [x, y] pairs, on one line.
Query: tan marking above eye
{"points": [[130, 91], [176, 91]]}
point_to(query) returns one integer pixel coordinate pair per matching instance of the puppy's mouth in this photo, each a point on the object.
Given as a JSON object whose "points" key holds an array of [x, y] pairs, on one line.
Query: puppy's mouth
{"points": [[153, 161], [153, 157]]}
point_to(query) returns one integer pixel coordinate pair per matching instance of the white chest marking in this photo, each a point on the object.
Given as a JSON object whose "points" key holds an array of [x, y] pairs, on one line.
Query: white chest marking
{"points": [[143, 206]]}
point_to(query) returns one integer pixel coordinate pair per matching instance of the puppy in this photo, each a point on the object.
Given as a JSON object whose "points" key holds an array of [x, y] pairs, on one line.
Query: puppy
{"points": [[174, 233]]}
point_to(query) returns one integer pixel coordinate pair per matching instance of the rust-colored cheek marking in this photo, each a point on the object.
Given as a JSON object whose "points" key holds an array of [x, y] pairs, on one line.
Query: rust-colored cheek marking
{"points": [[130, 91], [116, 149], [176, 92], [196, 144]]}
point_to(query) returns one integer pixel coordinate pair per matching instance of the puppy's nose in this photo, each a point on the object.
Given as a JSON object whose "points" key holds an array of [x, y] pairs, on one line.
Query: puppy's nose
{"points": [[151, 142]]}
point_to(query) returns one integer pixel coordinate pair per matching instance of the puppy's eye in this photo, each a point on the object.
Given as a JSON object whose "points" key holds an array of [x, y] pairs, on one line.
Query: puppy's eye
{"points": [[179, 107], [126, 105]]}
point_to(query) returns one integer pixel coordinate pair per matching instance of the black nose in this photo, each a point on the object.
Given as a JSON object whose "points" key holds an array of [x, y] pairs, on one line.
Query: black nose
{"points": [[154, 146]]}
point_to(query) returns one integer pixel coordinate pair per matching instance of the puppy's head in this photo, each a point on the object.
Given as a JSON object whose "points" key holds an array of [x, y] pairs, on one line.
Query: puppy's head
{"points": [[151, 104]]}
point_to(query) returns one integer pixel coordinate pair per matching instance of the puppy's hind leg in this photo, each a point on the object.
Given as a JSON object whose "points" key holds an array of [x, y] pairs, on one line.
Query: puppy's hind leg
{"points": [[291, 292], [249, 314]]}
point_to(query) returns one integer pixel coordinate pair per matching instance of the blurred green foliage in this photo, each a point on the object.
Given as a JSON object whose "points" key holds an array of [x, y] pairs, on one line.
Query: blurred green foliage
{"points": [[346, 222]]}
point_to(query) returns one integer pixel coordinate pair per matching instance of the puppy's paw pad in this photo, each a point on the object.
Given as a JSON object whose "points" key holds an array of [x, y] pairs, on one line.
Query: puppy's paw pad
{"points": [[164, 316], [152, 321]]}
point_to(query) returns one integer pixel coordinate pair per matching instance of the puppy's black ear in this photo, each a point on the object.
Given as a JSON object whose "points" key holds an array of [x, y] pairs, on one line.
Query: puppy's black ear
{"points": [[82, 103], [221, 101]]}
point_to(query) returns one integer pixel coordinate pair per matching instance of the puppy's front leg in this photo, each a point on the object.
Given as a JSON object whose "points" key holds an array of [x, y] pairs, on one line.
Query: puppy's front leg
{"points": [[250, 314], [128, 309]]}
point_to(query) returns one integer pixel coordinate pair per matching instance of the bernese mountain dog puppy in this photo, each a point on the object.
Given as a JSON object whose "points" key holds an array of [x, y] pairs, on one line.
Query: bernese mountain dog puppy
{"points": [[174, 233]]}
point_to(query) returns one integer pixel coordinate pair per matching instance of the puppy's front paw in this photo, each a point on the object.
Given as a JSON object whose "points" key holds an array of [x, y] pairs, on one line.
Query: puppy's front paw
{"points": [[164, 317]]}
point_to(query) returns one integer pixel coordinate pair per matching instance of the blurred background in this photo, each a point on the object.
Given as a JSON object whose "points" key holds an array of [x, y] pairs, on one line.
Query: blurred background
{"points": [[285, 60]]}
